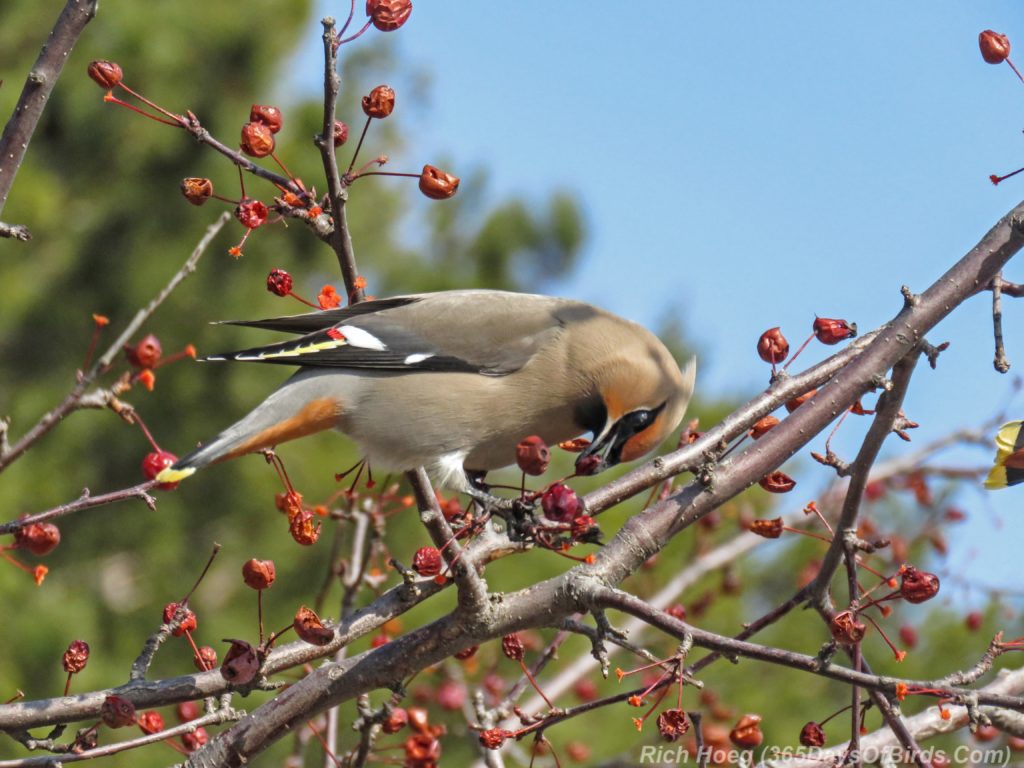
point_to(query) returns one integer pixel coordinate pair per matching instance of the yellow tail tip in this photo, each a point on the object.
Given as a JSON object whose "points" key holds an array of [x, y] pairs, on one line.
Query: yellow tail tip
{"points": [[171, 475]]}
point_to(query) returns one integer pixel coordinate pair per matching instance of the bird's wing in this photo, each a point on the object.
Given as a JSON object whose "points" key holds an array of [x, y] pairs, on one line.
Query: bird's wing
{"points": [[487, 332], [319, 321]]}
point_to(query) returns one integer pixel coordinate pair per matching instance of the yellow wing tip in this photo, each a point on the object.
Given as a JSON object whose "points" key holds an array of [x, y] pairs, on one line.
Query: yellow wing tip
{"points": [[171, 475]]}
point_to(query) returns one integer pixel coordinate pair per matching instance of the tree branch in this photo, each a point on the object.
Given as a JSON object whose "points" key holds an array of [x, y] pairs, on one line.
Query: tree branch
{"points": [[38, 85]]}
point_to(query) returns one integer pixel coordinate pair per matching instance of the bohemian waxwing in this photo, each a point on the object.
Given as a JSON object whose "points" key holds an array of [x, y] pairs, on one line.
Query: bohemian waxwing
{"points": [[452, 381]]}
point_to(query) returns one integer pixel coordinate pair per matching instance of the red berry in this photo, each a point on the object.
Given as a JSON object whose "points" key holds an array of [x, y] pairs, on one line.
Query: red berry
{"points": [[241, 663], [380, 102], [560, 503], [917, 586], [38, 538], [75, 657], [747, 733], [388, 15], [995, 48], [187, 710], [267, 115], [117, 712], [279, 282], [145, 354], [156, 462], [196, 190], [252, 213], [309, 627], [427, 561], [258, 574], [533, 455], [107, 74], [437, 184], [257, 139], [828, 330], [188, 623], [196, 739], [151, 721], [772, 347], [340, 133]]}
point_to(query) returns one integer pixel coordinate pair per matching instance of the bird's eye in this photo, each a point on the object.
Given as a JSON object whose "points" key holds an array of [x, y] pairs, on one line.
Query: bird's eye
{"points": [[640, 420]]}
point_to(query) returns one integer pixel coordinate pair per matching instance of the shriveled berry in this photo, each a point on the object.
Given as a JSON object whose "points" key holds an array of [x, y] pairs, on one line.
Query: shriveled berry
{"points": [[388, 15], [777, 482], [747, 732], [340, 133], [75, 657], [769, 529], [845, 628], [257, 139], [196, 190], [279, 282], [380, 102], [812, 735], [995, 48], [395, 721], [772, 347], [560, 503], [107, 74], [38, 538], [466, 653], [796, 402], [422, 749], [187, 624], [117, 712], [156, 462], [493, 738], [512, 646], [309, 627], [251, 213], [151, 721], [258, 574], [673, 724], [146, 353], [830, 330], [196, 739], [205, 658], [427, 561], [437, 184], [588, 465], [241, 663], [419, 720], [533, 455], [761, 426], [267, 115], [301, 527], [917, 586]]}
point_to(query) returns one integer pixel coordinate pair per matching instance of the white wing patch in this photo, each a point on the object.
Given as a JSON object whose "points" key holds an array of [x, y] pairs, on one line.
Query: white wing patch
{"points": [[357, 337], [418, 357]]}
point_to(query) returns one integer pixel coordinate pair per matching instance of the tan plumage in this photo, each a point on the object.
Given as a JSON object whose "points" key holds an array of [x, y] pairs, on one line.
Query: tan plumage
{"points": [[453, 381]]}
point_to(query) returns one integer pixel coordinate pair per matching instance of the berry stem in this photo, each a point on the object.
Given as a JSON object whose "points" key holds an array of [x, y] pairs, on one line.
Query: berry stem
{"points": [[110, 97], [349, 39], [1015, 70], [359, 146], [796, 354]]}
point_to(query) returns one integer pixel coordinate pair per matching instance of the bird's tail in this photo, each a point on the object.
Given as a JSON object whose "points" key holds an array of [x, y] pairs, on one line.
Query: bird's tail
{"points": [[300, 407]]}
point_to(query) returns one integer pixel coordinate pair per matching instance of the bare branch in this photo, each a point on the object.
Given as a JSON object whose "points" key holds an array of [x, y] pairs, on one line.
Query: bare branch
{"points": [[36, 91]]}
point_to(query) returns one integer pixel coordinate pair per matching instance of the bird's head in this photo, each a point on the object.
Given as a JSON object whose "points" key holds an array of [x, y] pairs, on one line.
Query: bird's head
{"points": [[640, 397]]}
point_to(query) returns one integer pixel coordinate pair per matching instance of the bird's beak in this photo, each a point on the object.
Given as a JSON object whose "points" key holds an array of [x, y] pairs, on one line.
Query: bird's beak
{"points": [[606, 448]]}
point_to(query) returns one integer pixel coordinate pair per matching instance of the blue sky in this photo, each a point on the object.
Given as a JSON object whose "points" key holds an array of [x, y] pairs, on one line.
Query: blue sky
{"points": [[746, 165]]}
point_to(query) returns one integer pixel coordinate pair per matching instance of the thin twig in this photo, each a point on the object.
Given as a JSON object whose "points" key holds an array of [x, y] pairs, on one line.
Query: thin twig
{"points": [[1000, 362], [36, 91], [85, 501], [74, 399], [341, 238]]}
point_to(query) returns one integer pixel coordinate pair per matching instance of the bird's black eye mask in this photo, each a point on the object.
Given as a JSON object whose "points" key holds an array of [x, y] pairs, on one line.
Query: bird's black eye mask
{"points": [[609, 447], [633, 423]]}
